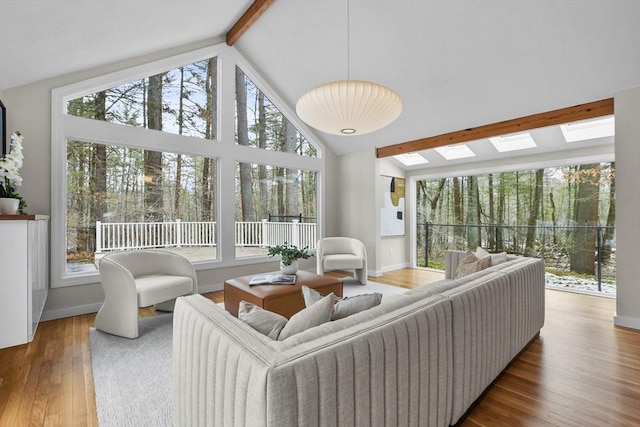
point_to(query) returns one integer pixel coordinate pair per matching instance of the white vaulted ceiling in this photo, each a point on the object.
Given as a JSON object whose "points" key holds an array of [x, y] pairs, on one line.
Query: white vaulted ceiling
{"points": [[455, 64]]}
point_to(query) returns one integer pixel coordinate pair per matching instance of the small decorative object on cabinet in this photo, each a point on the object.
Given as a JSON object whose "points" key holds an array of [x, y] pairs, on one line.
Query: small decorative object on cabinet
{"points": [[11, 202], [9, 206], [24, 276]]}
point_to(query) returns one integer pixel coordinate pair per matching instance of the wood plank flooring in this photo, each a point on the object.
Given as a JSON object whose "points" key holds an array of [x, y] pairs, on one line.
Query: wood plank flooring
{"points": [[582, 371]]}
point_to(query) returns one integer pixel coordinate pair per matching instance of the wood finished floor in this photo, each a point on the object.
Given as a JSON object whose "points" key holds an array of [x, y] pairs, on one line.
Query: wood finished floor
{"points": [[582, 371]]}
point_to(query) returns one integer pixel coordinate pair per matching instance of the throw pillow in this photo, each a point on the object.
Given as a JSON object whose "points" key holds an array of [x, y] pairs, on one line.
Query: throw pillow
{"points": [[310, 296], [498, 258], [261, 320], [314, 315], [470, 263], [484, 262], [481, 253], [352, 305], [344, 306], [495, 258]]}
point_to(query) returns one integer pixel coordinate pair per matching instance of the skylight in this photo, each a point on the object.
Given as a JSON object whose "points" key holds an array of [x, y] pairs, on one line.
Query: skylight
{"points": [[411, 159], [513, 142], [589, 129], [453, 152]]}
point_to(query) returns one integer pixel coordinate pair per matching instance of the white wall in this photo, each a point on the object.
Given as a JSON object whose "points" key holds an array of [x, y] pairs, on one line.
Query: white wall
{"points": [[356, 208], [627, 112], [359, 199], [29, 111], [331, 191]]}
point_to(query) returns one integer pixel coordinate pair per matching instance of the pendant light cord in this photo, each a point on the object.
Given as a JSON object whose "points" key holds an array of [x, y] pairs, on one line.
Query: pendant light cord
{"points": [[348, 42]]}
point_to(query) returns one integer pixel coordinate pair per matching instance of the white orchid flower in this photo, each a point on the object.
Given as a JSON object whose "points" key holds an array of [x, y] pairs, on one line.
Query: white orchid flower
{"points": [[11, 164]]}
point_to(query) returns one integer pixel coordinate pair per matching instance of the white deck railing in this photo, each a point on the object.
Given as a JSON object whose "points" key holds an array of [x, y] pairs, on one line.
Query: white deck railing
{"points": [[115, 236]]}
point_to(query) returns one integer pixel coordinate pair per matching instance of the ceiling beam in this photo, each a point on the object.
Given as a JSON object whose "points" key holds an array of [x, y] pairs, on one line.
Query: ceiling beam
{"points": [[250, 16], [522, 124]]}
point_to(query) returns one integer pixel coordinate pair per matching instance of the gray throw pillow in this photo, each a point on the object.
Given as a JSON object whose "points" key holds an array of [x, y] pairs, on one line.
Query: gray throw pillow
{"points": [[263, 321], [311, 316], [352, 305], [344, 306]]}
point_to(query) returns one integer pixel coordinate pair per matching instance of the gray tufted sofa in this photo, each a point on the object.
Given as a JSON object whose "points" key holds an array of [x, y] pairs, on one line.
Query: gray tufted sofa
{"points": [[417, 359]]}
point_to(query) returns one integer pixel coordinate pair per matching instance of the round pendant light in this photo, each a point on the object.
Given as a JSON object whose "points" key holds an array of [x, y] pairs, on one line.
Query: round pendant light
{"points": [[349, 107]]}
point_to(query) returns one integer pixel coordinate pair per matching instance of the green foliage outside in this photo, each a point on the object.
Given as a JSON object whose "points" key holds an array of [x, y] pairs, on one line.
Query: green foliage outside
{"points": [[564, 215]]}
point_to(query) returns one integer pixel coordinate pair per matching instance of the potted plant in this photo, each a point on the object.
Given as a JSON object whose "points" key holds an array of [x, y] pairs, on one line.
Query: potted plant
{"points": [[10, 201], [289, 256]]}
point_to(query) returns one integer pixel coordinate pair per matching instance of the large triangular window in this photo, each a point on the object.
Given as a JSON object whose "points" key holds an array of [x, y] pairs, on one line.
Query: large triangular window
{"points": [[181, 101], [260, 124]]}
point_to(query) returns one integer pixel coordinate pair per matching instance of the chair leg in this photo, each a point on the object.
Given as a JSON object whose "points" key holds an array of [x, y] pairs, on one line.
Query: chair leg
{"points": [[118, 319], [166, 306], [361, 275]]}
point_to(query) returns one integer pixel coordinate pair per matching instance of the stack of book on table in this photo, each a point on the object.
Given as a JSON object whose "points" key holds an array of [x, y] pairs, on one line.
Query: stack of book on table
{"points": [[273, 279]]}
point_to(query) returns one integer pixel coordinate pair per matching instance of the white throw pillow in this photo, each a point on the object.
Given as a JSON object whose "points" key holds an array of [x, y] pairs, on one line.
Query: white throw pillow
{"points": [[481, 253], [310, 295], [344, 306], [314, 315], [264, 321], [498, 258], [495, 258]]}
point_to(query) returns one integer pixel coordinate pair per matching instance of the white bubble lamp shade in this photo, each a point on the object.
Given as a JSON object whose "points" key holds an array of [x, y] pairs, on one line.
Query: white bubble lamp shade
{"points": [[349, 107]]}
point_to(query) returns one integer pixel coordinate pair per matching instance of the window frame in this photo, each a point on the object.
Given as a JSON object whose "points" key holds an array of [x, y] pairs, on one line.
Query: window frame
{"points": [[223, 149]]}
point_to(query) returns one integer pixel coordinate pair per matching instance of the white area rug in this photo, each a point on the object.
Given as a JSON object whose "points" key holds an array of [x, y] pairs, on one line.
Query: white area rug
{"points": [[133, 377]]}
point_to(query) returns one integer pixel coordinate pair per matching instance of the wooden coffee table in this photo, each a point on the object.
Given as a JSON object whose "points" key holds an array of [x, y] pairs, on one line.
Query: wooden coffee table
{"points": [[286, 300]]}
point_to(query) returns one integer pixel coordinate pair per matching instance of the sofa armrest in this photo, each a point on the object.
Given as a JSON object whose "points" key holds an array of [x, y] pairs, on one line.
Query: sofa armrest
{"points": [[220, 367]]}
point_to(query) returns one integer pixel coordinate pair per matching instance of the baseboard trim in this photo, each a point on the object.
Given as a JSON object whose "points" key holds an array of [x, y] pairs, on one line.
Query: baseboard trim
{"points": [[395, 267], [93, 308], [70, 311], [374, 273], [210, 288], [626, 322]]}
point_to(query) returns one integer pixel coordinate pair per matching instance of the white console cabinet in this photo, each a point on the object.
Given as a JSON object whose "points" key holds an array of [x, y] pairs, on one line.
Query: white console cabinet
{"points": [[24, 276]]}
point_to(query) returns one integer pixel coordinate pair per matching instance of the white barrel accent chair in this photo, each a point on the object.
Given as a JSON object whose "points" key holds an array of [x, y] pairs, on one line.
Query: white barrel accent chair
{"points": [[342, 253], [133, 279]]}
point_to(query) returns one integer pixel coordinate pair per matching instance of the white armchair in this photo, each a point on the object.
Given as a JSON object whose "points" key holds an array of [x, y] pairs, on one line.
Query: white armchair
{"points": [[342, 253], [134, 279]]}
